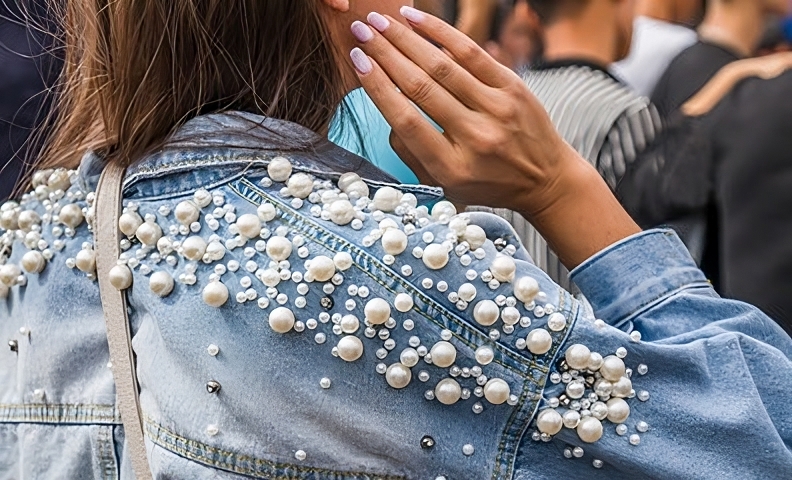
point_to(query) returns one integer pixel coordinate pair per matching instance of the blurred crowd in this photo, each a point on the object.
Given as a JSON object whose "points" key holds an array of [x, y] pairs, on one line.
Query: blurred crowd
{"points": [[684, 106]]}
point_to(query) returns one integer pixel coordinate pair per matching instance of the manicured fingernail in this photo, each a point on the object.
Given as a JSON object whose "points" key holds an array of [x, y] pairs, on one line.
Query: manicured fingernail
{"points": [[378, 21], [412, 14], [362, 32], [361, 61]]}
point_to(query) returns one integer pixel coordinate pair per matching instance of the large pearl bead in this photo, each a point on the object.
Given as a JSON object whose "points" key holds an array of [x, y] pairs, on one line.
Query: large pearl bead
{"points": [[59, 180], [595, 361], [161, 283], [443, 354], [202, 198], [349, 324], [33, 262], [435, 256], [281, 320], [486, 312], [394, 241], [622, 388], [9, 274], [575, 389], [71, 215], [549, 421], [503, 268], [193, 248], [279, 248], [350, 348], [85, 260], [578, 356], [409, 357], [510, 316], [269, 277], [341, 212], [475, 236], [618, 410], [266, 212], [612, 368], [249, 225], [279, 169], [398, 376], [322, 268], [377, 311], [120, 277], [403, 302], [27, 219], [186, 212], [300, 185], [215, 294], [9, 220], [443, 211], [128, 223], [526, 289], [496, 391], [467, 292], [571, 419], [357, 190], [149, 233], [448, 391], [387, 199], [343, 261], [347, 179], [539, 341], [589, 429], [485, 355]]}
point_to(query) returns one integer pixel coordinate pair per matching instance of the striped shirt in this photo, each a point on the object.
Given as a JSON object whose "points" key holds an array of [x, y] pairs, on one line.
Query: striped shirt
{"points": [[598, 116]]}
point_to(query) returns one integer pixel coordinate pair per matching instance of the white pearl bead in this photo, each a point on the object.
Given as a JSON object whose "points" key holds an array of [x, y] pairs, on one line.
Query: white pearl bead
{"points": [[249, 225], [357, 190], [475, 236], [322, 268], [186, 212], [266, 212], [33, 262], [398, 376], [486, 312], [503, 268], [612, 368], [9, 274], [496, 391], [215, 294], [578, 356], [526, 289], [149, 233], [387, 199], [549, 421], [120, 277], [349, 324], [193, 248], [27, 219], [448, 391], [571, 419], [347, 179], [409, 357], [128, 223], [618, 410], [270, 278], [443, 209], [281, 320], [575, 389], [443, 354], [279, 169], [377, 311], [589, 429], [350, 348], [403, 302], [435, 256], [510, 316], [485, 355], [343, 261], [458, 225], [341, 212], [467, 292], [622, 388], [595, 361], [279, 248], [394, 241], [71, 215], [59, 180], [556, 322], [85, 260], [215, 251], [539, 341], [300, 185], [161, 283], [599, 410], [202, 198]]}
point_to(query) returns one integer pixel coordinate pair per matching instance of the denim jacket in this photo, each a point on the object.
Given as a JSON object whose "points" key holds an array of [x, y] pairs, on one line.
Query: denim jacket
{"points": [[291, 322]]}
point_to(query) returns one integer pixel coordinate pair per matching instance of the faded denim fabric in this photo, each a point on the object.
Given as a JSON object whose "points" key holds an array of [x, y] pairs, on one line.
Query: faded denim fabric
{"points": [[718, 379]]}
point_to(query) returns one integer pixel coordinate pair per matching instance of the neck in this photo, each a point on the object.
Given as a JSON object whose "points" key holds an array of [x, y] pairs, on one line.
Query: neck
{"points": [[658, 10], [577, 38], [737, 25]]}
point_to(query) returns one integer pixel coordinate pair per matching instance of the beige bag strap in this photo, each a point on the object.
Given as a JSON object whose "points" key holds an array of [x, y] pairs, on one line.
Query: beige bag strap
{"points": [[114, 305]]}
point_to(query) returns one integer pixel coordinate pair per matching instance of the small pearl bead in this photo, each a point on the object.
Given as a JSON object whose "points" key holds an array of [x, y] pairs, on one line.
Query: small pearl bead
{"points": [[377, 311], [578, 356], [635, 439], [403, 302], [279, 169], [539, 341], [325, 383], [350, 348], [485, 355], [33, 262], [86, 260], [279, 248], [556, 322], [281, 320], [409, 357], [486, 312], [526, 289], [448, 391], [612, 368], [571, 419], [394, 241], [322, 268], [343, 261], [215, 294], [387, 199], [589, 429], [435, 256], [341, 212], [549, 421], [213, 350], [266, 212], [475, 236], [300, 185], [398, 376], [496, 391], [349, 324], [300, 455], [161, 283], [468, 450], [503, 268], [71, 215], [193, 248], [443, 354], [120, 277], [186, 212]]}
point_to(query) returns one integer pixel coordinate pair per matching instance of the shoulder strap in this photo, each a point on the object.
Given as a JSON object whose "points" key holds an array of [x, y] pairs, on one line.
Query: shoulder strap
{"points": [[114, 305]]}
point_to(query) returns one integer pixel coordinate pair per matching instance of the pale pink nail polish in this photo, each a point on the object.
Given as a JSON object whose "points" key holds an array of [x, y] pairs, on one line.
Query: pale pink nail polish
{"points": [[412, 14], [362, 32], [378, 21], [361, 61]]}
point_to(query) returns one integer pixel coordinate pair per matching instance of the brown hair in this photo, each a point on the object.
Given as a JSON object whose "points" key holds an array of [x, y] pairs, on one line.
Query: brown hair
{"points": [[137, 69]]}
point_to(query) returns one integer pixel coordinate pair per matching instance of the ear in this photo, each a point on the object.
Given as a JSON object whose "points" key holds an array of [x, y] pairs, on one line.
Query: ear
{"points": [[338, 5]]}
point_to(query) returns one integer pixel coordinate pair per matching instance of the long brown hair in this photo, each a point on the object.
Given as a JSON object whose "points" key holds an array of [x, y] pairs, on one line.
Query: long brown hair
{"points": [[137, 69]]}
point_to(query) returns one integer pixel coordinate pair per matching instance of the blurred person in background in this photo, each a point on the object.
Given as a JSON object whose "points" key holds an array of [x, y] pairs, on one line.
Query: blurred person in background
{"points": [[660, 34], [518, 41], [777, 37]]}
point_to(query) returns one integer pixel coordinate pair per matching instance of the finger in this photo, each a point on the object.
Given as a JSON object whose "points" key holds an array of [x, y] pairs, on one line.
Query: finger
{"points": [[460, 47], [419, 136], [410, 160], [430, 96], [443, 70]]}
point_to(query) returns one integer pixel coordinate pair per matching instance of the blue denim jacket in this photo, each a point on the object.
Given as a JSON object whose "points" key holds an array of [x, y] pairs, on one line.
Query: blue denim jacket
{"points": [[303, 331]]}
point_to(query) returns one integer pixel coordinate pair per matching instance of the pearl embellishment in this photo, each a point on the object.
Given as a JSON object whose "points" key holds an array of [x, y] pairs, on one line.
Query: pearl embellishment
{"points": [[618, 410], [33, 262], [497, 391], [120, 277], [279, 248], [215, 294], [526, 289], [403, 302], [503, 268], [281, 320], [539, 341], [435, 256], [249, 225], [578, 356], [341, 212], [443, 354], [486, 312], [161, 283], [71, 215], [448, 391], [485, 355], [387, 199], [9, 274], [394, 241], [186, 212], [148, 233], [475, 236], [279, 169], [322, 268], [85, 260], [300, 185], [350, 348], [589, 429], [398, 376], [550, 422], [612, 368], [377, 311], [194, 248]]}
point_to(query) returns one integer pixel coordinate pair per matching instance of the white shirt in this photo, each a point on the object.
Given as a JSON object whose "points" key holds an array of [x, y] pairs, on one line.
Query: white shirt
{"points": [[655, 44]]}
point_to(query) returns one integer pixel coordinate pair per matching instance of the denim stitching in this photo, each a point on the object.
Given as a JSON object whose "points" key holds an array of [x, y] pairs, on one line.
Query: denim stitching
{"points": [[74, 414], [106, 447]]}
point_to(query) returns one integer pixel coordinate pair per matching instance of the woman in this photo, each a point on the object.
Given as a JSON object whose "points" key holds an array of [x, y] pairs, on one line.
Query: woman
{"points": [[294, 320]]}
